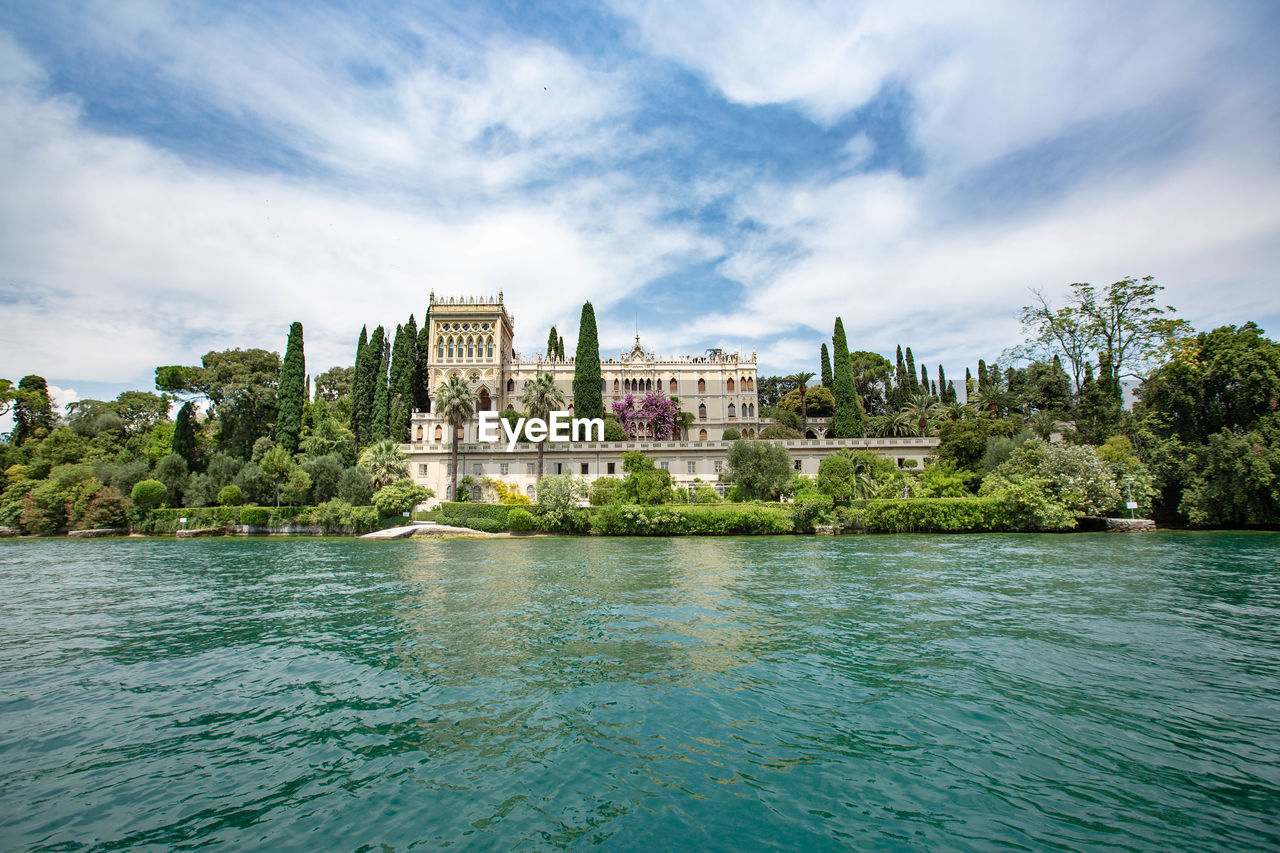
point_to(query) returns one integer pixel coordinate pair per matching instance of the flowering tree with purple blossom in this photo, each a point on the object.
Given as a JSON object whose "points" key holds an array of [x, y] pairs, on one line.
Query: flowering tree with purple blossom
{"points": [[654, 417]]}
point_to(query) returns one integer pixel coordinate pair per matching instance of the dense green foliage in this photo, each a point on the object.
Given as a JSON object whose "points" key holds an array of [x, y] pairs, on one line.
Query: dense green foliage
{"points": [[400, 497], [828, 378], [293, 394], [588, 398], [846, 422], [761, 469]]}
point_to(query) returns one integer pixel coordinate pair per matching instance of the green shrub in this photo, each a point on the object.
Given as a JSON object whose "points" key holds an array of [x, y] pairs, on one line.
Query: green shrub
{"points": [[230, 496], [730, 434], [521, 520], [399, 497], [254, 516], [486, 525], [338, 516], [929, 515], [149, 494], [716, 520], [450, 511], [808, 511], [107, 508]]}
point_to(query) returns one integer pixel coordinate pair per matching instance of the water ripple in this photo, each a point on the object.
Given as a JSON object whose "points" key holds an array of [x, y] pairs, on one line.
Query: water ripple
{"points": [[881, 693]]}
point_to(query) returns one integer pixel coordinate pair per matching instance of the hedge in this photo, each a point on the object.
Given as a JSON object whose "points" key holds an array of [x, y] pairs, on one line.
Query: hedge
{"points": [[457, 510], [486, 525], [927, 515], [334, 517], [684, 520]]}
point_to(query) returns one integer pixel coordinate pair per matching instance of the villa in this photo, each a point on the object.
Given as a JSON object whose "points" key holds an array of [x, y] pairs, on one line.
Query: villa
{"points": [[473, 337]]}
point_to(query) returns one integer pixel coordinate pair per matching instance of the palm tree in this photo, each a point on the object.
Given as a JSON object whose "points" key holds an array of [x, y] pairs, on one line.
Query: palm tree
{"points": [[801, 380], [924, 409], [385, 462], [541, 398], [1044, 424], [455, 403]]}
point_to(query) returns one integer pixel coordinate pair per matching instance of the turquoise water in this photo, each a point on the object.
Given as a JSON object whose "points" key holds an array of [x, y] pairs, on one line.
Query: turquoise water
{"points": [[963, 692]]}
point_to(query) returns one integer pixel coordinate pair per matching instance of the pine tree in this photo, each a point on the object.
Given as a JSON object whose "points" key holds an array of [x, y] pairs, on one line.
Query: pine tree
{"points": [[553, 344], [359, 417], [422, 368], [827, 379], [847, 420], [184, 434], [588, 400], [292, 393], [381, 397]]}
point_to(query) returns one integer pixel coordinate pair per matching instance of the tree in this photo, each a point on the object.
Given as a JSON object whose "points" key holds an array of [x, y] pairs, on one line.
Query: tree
{"points": [[1228, 378], [872, 375], [360, 416], [1234, 480], [374, 361], [32, 410], [911, 387], [385, 462], [588, 400], [553, 343], [541, 398], [1121, 326], [292, 391], [819, 402], [761, 469], [148, 494], [184, 434], [455, 402], [801, 381], [326, 474], [422, 371], [241, 387], [404, 356], [334, 383], [828, 378], [847, 420], [645, 483], [381, 401], [400, 497]]}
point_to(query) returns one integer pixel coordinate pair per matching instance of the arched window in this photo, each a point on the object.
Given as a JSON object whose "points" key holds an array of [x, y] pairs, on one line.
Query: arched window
{"points": [[489, 348], [471, 348], [733, 413], [485, 400], [511, 386], [742, 383], [440, 348], [728, 386], [673, 385], [702, 411], [450, 347], [648, 385], [419, 432], [615, 386], [751, 383], [439, 432], [702, 386], [702, 435]]}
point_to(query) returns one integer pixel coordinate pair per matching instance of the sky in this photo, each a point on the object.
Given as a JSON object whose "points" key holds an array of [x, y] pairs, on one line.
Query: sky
{"points": [[187, 177]]}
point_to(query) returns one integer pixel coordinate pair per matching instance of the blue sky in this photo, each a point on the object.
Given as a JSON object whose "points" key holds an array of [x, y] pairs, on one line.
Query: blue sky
{"points": [[185, 177]]}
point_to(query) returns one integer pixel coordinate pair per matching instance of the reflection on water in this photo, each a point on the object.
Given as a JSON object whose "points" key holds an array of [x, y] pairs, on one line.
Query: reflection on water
{"points": [[872, 692]]}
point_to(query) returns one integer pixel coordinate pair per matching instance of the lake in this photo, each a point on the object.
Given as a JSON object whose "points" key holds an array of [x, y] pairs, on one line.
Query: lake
{"points": [[1089, 691]]}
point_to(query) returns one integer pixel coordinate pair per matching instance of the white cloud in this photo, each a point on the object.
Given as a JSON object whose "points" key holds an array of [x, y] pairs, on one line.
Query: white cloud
{"points": [[118, 256]]}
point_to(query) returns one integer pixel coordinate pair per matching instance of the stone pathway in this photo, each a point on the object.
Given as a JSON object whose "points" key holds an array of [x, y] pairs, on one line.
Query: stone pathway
{"points": [[424, 529]]}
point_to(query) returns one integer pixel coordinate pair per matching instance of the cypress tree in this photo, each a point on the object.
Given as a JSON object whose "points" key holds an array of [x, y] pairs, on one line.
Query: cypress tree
{"points": [[422, 369], [827, 379], [924, 379], [373, 358], [897, 394], [381, 400], [968, 385], [588, 400], [847, 420], [292, 392], [405, 388], [942, 385], [359, 417], [560, 348], [983, 381], [951, 392], [553, 344], [912, 388], [400, 389], [184, 434]]}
